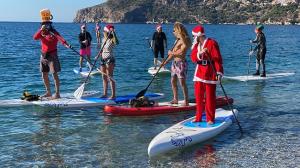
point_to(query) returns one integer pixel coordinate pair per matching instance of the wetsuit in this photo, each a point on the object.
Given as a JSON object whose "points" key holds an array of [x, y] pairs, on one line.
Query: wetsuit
{"points": [[261, 52], [158, 44]]}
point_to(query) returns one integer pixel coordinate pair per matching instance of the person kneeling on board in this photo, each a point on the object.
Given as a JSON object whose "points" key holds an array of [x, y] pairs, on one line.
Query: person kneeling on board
{"points": [[209, 70]]}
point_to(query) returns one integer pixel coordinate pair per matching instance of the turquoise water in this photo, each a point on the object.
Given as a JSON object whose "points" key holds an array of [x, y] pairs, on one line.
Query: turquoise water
{"points": [[269, 110]]}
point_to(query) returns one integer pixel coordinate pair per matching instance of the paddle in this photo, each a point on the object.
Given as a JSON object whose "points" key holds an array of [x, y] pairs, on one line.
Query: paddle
{"points": [[142, 92], [79, 92], [227, 100], [249, 58]]}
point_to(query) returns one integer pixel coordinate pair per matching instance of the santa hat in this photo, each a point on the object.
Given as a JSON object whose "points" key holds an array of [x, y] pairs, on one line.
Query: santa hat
{"points": [[108, 27], [198, 31], [158, 26]]}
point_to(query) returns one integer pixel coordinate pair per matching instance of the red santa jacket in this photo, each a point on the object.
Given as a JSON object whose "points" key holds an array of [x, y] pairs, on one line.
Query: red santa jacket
{"points": [[206, 73]]}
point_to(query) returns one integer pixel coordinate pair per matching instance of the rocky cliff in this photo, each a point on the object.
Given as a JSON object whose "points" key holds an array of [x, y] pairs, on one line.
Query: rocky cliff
{"points": [[193, 11]]}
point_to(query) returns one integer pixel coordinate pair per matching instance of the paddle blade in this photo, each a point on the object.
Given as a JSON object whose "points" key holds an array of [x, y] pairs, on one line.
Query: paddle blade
{"points": [[141, 93], [79, 92]]}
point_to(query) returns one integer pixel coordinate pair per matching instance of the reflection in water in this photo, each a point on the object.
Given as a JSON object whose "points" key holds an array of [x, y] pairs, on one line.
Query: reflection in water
{"points": [[258, 93], [206, 157], [48, 140]]}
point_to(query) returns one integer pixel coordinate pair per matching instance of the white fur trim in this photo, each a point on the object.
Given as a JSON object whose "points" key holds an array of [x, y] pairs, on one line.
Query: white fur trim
{"points": [[199, 51], [197, 79], [198, 34], [105, 29]]}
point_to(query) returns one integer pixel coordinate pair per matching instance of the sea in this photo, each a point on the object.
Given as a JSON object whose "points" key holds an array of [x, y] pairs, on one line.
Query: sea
{"points": [[269, 110]]}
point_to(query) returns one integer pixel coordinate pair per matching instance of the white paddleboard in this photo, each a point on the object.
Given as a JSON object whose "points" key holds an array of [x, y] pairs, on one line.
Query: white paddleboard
{"points": [[85, 71], [153, 71], [72, 102], [187, 133], [252, 77]]}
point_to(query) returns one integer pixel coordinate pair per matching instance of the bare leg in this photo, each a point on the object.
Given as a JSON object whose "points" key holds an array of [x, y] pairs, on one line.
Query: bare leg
{"points": [[47, 84], [56, 82], [88, 58], [155, 63], [110, 72], [185, 91], [174, 89], [80, 62], [104, 80]]}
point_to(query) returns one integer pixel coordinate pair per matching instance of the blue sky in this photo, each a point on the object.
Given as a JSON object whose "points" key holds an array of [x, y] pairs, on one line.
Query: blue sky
{"points": [[28, 10]]}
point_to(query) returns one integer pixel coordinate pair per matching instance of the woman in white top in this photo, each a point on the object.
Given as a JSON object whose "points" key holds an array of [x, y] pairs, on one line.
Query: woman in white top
{"points": [[110, 40]]}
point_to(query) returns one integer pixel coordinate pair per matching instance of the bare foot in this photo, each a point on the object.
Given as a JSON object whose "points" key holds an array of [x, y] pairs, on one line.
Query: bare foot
{"points": [[186, 103], [112, 97], [210, 122], [56, 96], [174, 102], [194, 121], [47, 94]]}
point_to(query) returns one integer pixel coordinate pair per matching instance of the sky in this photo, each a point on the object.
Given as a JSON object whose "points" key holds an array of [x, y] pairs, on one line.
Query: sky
{"points": [[29, 10]]}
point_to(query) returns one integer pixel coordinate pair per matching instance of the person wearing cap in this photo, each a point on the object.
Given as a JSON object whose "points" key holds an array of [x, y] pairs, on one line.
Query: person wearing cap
{"points": [[261, 50], [98, 34], [84, 39], [179, 65], [109, 41], [209, 70], [158, 43], [49, 61]]}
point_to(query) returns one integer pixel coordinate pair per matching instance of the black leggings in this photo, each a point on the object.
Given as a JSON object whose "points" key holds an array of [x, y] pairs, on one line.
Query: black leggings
{"points": [[260, 59], [157, 50]]}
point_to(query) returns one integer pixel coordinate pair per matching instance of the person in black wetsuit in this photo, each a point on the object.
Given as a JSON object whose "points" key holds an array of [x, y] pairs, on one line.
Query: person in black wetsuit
{"points": [[158, 43], [261, 49]]}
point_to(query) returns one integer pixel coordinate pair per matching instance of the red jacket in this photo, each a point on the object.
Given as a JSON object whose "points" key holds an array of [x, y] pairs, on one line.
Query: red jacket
{"points": [[49, 40], [206, 73]]}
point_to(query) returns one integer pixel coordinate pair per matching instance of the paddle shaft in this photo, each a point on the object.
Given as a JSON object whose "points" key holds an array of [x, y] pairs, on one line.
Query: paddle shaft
{"points": [[70, 46], [161, 65], [227, 100], [249, 60], [99, 53]]}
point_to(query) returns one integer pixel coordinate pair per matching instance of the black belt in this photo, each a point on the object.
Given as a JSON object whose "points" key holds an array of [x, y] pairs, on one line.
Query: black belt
{"points": [[204, 62]]}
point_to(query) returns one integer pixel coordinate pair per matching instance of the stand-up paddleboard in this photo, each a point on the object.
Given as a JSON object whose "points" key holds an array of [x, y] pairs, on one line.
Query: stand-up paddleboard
{"points": [[72, 102], [187, 133], [162, 71], [253, 77], [160, 108], [85, 71]]}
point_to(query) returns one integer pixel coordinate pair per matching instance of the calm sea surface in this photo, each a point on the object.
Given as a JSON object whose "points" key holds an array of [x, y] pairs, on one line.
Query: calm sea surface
{"points": [[269, 111]]}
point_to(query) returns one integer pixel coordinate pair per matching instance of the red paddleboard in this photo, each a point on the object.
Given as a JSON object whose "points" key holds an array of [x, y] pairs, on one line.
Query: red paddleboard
{"points": [[160, 108]]}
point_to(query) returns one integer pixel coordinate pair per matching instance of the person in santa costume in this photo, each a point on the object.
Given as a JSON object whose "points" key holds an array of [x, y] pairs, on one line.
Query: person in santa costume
{"points": [[209, 70]]}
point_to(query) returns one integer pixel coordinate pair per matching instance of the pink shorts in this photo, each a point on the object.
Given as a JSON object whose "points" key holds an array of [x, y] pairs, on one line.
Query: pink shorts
{"points": [[85, 51]]}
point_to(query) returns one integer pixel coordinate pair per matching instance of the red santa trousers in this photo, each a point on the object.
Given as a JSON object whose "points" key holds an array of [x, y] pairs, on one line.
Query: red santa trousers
{"points": [[209, 90]]}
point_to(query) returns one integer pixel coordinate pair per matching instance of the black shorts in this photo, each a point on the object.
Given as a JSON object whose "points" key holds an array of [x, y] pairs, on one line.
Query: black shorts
{"points": [[107, 61], [49, 62], [159, 50]]}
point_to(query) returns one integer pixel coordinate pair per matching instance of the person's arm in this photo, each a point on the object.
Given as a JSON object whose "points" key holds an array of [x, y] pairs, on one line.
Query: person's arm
{"points": [[115, 38], [258, 40], [216, 58], [38, 35]]}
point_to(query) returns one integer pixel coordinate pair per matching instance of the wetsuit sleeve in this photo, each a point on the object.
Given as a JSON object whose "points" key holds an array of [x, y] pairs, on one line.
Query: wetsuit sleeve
{"points": [[258, 40], [216, 57], [194, 52], [37, 35], [165, 41]]}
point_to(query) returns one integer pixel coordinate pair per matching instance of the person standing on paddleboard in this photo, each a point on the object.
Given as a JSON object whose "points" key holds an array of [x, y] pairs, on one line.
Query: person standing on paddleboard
{"points": [[108, 59], [98, 34], [260, 48], [49, 61], [158, 44], [84, 39], [179, 65], [209, 70]]}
